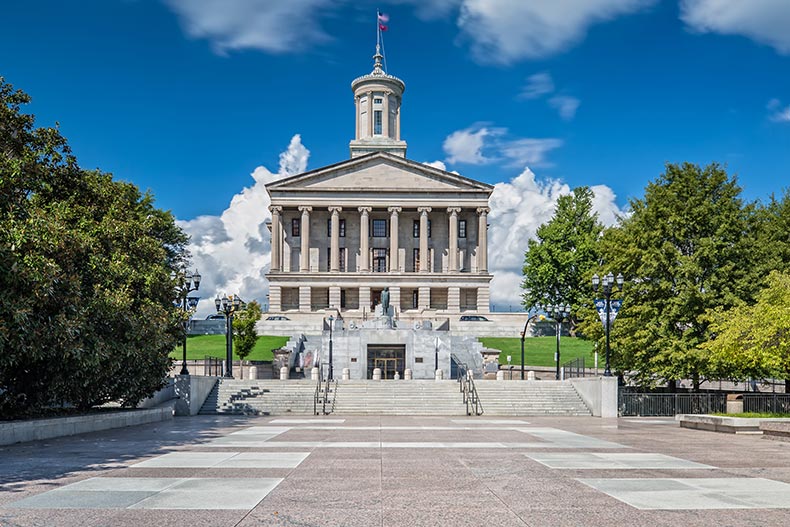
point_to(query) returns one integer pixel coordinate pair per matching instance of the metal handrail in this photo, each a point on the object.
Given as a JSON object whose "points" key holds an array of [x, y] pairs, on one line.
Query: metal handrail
{"points": [[317, 393], [467, 388]]}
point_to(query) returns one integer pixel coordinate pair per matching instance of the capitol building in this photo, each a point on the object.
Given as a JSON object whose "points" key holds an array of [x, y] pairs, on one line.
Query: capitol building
{"points": [[343, 233]]}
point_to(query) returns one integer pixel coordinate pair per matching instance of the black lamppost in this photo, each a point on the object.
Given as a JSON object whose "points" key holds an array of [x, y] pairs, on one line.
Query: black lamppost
{"points": [[523, 334], [190, 282], [331, 320], [436, 355], [228, 306], [606, 285], [558, 312]]}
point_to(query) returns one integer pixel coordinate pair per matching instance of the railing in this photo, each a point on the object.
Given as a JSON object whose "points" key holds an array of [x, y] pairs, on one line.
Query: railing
{"points": [[574, 368], [212, 366], [321, 396], [467, 387], [767, 403], [317, 394], [668, 404]]}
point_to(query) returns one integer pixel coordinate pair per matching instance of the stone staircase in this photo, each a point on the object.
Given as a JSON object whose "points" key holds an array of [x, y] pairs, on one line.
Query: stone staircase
{"points": [[260, 397], [510, 398], [418, 397]]}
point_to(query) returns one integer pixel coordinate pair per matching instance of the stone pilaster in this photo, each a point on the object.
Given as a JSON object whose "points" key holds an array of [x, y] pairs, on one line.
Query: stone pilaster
{"points": [[364, 298], [424, 298], [334, 297], [304, 233], [425, 260], [364, 241], [394, 211], [483, 300], [305, 299], [453, 244], [334, 250], [482, 241], [275, 298], [277, 243], [454, 299]]}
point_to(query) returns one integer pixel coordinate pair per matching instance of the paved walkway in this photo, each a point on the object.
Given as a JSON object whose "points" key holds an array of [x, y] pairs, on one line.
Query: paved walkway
{"points": [[397, 471]]}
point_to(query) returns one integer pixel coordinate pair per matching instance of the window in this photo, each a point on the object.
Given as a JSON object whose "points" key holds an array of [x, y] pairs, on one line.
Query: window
{"points": [[296, 224], [416, 229], [380, 228], [462, 229], [341, 253], [342, 228], [379, 260], [377, 122], [416, 259], [378, 100]]}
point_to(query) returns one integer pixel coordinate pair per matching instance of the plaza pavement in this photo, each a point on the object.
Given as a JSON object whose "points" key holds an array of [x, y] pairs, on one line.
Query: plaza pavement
{"points": [[397, 471]]}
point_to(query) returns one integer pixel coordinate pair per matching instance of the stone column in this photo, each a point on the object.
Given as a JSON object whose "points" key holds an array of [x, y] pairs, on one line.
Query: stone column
{"points": [[397, 122], [277, 244], [334, 249], [370, 114], [425, 260], [482, 239], [304, 233], [385, 115], [356, 121], [394, 211], [364, 239], [453, 247]]}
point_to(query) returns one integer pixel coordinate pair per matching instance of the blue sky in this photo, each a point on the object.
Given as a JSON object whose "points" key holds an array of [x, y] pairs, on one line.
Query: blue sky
{"points": [[188, 98]]}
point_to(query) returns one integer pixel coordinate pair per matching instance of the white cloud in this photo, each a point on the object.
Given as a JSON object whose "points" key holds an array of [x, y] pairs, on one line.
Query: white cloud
{"points": [[529, 151], [233, 251], [518, 208], [765, 21], [504, 31], [777, 113], [436, 164], [466, 146], [565, 105], [274, 26], [537, 85]]}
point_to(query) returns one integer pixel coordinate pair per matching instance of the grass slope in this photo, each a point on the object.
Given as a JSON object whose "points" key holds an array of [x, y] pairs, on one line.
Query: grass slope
{"points": [[200, 346], [539, 351]]}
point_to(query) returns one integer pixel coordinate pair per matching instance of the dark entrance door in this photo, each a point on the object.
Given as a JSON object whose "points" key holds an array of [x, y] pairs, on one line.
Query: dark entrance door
{"points": [[391, 358]]}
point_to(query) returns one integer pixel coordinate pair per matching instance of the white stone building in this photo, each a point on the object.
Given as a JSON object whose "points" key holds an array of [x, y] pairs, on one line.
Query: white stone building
{"points": [[344, 232]]}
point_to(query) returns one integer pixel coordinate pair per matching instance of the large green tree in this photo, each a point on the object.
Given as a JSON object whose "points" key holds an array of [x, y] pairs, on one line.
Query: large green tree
{"points": [[685, 248], [86, 312], [561, 258], [245, 334], [753, 341]]}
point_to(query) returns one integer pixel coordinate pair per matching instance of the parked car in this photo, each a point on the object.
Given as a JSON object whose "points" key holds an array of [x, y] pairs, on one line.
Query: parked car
{"points": [[216, 316], [474, 318], [277, 317]]}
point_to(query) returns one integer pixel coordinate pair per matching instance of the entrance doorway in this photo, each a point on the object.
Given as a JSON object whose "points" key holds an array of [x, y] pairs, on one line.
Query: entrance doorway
{"points": [[391, 359]]}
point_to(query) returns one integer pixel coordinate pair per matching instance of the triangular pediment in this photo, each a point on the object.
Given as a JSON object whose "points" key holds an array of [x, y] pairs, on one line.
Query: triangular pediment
{"points": [[379, 172]]}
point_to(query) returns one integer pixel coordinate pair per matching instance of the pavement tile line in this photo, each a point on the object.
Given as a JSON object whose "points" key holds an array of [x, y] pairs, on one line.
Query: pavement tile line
{"points": [[695, 493], [613, 461]]}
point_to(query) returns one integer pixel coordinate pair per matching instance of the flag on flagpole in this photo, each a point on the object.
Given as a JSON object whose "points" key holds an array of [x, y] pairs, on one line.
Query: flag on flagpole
{"points": [[383, 27], [383, 18]]}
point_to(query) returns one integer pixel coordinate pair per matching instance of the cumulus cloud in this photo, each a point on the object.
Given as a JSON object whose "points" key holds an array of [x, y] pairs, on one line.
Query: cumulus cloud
{"points": [[777, 113], [518, 208], [764, 21], [232, 251], [481, 144], [274, 26], [504, 31]]}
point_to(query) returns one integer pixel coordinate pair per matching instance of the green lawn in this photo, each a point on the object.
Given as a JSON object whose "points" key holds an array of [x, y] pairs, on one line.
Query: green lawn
{"points": [[539, 351], [199, 346]]}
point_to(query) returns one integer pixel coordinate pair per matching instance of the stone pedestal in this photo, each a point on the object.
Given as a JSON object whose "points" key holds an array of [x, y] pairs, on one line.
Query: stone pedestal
{"points": [[439, 375], [314, 374], [346, 374], [377, 374], [500, 375], [284, 373], [407, 374], [396, 376], [253, 372], [530, 375]]}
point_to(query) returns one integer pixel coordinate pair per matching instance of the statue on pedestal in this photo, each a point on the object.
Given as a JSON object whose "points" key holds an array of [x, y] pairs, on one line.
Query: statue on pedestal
{"points": [[385, 301]]}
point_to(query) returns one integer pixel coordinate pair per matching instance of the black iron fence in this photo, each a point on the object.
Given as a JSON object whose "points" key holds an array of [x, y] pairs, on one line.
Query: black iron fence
{"points": [[669, 404], [767, 403], [212, 366], [574, 368]]}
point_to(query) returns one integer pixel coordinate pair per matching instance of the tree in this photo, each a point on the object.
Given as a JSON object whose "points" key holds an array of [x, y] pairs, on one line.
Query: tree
{"points": [[561, 259], [684, 249], [753, 341], [86, 312], [245, 335]]}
